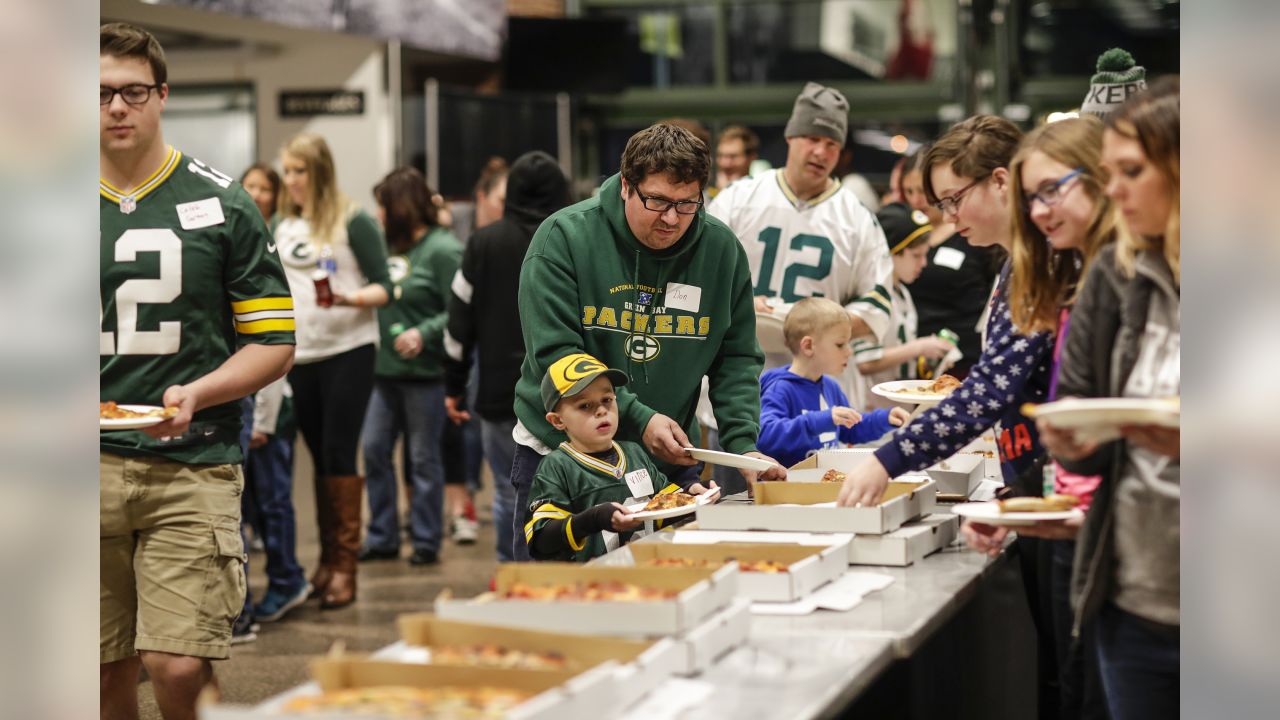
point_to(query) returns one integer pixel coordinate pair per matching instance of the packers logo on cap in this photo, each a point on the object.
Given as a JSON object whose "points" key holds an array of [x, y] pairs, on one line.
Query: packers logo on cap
{"points": [[571, 374]]}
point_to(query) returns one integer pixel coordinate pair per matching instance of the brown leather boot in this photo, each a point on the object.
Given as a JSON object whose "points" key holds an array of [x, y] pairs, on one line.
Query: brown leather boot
{"points": [[325, 521], [346, 494]]}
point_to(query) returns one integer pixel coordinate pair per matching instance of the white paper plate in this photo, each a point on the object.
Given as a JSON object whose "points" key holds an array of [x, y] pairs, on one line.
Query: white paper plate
{"points": [[131, 423], [769, 332], [715, 457], [705, 498], [1100, 419], [894, 391], [989, 513]]}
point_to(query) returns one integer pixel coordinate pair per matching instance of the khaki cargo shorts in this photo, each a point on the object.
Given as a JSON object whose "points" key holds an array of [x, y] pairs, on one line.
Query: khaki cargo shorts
{"points": [[172, 559]]}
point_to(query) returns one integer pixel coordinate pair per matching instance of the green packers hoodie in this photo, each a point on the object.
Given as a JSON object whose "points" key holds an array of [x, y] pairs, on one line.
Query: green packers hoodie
{"points": [[420, 299], [664, 317]]}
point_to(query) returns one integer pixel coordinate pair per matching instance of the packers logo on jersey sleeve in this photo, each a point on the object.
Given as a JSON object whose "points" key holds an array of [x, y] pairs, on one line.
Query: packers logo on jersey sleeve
{"points": [[398, 267]]}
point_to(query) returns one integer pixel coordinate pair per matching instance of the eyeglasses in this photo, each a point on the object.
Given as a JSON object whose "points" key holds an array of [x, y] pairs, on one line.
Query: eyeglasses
{"points": [[661, 205], [133, 94], [1053, 194], [951, 205]]}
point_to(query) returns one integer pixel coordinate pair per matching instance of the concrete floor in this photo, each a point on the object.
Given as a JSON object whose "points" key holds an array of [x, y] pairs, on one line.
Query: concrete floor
{"points": [[277, 660]]}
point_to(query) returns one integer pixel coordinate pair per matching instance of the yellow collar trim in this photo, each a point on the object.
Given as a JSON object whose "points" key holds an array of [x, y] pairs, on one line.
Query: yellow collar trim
{"points": [[795, 200], [114, 194], [600, 466]]}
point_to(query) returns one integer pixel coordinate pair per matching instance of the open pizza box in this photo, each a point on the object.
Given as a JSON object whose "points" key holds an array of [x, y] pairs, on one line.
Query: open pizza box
{"points": [[906, 545], [808, 567], [810, 507], [812, 468], [959, 474], [552, 695], [643, 663], [702, 591]]}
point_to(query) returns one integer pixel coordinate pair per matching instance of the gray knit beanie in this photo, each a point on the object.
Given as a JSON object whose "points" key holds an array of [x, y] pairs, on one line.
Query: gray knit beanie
{"points": [[1118, 77], [820, 111]]}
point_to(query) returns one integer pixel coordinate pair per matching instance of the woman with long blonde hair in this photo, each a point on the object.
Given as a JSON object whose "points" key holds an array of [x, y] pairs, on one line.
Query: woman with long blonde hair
{"points": [[1061, 218], [335, 259], [1126, 343]]}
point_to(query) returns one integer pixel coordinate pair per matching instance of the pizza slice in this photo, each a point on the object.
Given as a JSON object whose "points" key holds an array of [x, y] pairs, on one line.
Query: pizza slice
{"points": [[833, 475], [669, 501]]}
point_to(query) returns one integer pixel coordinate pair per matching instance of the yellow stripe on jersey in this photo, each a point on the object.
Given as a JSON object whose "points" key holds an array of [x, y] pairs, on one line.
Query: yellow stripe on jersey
{"points": [[794, 199], [240, 307], [568, 531], [545, 511], [264, 326], [156, 178]]}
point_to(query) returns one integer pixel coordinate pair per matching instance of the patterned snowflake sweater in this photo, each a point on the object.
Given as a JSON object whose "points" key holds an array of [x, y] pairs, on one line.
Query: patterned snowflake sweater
{"points": [[1013, 369]]}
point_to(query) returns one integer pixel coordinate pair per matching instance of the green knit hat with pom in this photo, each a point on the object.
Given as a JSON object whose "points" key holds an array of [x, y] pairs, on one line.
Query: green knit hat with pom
{"points": [[1118, 77]]}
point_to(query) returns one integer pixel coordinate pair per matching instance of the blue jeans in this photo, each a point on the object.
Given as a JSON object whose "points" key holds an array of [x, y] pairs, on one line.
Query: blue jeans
{"points": [[268, 482], [500, 450], [415, 409], [524, 465], [729, 479], [1139, 662]]}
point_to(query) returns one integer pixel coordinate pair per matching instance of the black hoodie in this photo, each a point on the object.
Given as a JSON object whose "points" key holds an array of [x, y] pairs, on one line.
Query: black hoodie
{"points": [[483, 312]]}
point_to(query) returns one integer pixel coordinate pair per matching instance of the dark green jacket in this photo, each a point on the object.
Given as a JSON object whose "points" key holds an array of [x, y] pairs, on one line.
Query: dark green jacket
{"points": [[420, 299], [588, 285]]}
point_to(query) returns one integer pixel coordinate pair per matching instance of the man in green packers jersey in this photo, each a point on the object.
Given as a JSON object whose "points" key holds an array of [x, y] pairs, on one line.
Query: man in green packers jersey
{"points": [[195, 314]]}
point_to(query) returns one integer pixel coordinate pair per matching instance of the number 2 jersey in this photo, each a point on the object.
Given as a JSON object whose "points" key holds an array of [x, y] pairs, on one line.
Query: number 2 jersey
{"points": [[189, 274], [830, 246]]}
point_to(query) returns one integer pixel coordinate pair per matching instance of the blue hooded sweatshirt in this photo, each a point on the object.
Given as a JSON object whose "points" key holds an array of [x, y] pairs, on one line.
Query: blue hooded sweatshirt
{"points": [[795, 422]]}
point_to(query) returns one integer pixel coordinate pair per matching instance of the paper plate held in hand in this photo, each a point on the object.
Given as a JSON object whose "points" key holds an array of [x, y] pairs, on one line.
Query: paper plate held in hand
{"points": [[989, 514], [147, 415], [715, 457], [705, 498], [1100, 419]]}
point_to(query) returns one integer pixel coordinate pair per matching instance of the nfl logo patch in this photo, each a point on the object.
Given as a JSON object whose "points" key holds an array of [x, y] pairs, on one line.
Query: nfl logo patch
{"points": [[645, 298]]}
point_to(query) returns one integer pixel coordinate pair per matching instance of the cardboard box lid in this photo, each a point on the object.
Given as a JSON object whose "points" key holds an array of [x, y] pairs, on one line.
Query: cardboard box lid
{"points": [[789, 554], [550, 573], [358, 671], [841, 459], [584, 651], [784, 493]]}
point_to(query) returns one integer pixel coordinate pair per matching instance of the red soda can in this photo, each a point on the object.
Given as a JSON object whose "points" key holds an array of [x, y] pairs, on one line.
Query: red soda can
{"points": [[324, 293]]}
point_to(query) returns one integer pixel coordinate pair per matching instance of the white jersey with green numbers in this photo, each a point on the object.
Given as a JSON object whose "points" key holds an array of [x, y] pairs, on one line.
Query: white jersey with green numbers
{"points": [[189, 274], [830, 246]]}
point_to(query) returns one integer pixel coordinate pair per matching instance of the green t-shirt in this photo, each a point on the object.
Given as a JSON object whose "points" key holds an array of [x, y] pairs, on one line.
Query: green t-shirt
{"points": [[189, 274], [567, 483]]}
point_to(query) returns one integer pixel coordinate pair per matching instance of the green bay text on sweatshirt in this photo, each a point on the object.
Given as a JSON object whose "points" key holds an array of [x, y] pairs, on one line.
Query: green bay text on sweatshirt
{"points": [[666, 318]]}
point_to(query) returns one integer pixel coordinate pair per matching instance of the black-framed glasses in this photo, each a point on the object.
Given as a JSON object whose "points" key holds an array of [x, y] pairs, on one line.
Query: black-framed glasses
{"points": [[1053, 194], [136, 94], [661, 205], [951, 205]]}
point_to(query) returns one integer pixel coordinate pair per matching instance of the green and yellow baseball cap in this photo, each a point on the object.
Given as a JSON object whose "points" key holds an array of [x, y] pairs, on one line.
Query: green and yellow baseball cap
{"points": [[571, 374]]}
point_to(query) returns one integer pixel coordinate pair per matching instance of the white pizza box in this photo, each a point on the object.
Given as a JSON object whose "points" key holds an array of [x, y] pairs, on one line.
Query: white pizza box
{"points": [[808, 567], [702, 591], [554, 695], [812, 468], [642, 663], [716, 636], [959, 474], [810, 507], [907, 544], [838, 541]]}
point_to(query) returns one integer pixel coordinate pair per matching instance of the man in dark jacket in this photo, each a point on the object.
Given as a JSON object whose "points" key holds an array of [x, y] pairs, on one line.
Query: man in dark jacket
{"points": [[483, 315]]}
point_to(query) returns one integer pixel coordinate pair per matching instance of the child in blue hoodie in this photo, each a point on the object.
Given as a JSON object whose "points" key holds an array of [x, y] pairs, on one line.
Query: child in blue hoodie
{"points": [[802, 408]]}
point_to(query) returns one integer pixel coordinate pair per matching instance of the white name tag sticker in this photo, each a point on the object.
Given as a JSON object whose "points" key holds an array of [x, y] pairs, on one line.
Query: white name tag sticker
{"points": [[948, 258], [683, 297], [200, 214], [639, 482]]}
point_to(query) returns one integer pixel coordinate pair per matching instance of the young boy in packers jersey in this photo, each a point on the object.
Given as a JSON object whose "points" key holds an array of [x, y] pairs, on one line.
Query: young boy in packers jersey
{"points": [[578, 490], [195, 314]]}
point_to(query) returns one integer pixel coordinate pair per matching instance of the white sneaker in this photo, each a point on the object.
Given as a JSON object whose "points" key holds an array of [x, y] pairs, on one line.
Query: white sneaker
{"points": [[465, 531]]}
